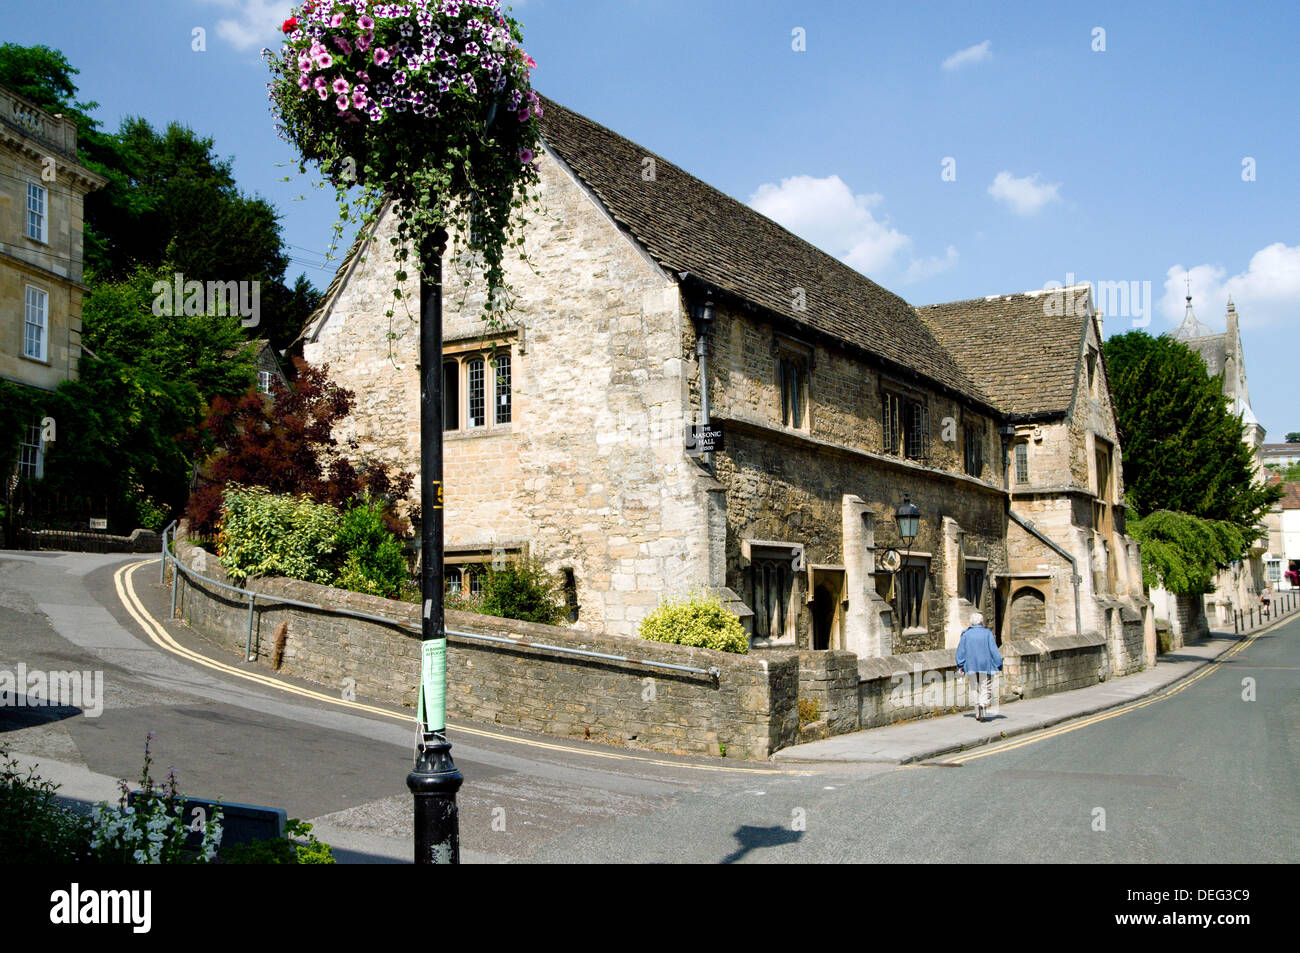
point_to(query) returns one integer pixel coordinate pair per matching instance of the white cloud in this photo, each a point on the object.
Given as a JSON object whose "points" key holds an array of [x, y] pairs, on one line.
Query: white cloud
{"points": [[1266, 293], [828, 214], [1025, 196], [252, 23], [978, 53]]}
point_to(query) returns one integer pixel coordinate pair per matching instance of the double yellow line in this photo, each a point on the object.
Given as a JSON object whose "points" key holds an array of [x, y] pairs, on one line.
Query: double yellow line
{"points": [[123, 581], [1037, 736]]}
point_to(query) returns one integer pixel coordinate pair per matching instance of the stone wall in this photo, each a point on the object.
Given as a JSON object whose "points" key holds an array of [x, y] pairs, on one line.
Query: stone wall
{"points": [[828, 686], [1055, 664], [750, 708], [783, 486]]}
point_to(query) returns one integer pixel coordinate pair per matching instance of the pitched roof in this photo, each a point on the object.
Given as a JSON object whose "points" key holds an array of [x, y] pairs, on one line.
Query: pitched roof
{"points": [[688, 226], [1291, 496], [1018, 346]]}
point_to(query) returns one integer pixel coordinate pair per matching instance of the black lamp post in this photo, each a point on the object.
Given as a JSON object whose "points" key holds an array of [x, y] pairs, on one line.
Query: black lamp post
{"points": [[907, 519], [702, 317], [435, 779]]}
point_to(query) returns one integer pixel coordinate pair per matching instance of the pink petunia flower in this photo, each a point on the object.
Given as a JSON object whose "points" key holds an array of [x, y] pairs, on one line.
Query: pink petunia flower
{"points": [[525, 156], [324, 60], [366, 23], [336, 20], [359, 98], [381, 56], [363, 42], [363, 76], [323, 92], [532, 63], [525, 113], [341, 86], [342, 43], [342, 103]]}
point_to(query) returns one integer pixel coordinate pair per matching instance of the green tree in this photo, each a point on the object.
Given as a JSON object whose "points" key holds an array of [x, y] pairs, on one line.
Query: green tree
{"points": [[146, 378], [1293, 436], [1183, 448], [170, 201]]}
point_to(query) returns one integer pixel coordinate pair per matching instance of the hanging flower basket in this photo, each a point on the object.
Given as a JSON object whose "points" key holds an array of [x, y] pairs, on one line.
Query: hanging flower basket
{"points": [[427, 103]]}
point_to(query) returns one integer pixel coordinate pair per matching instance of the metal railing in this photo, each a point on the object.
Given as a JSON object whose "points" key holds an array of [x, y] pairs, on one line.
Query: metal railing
{"points": [[1243, 620], [167, 556]]}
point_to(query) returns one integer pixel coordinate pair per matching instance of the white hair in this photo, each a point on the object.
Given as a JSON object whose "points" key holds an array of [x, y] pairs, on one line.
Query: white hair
{"points": [[976, 619]]}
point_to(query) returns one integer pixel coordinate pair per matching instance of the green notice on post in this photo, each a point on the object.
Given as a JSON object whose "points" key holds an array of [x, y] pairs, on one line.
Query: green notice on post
{"points": [[432, 711]]}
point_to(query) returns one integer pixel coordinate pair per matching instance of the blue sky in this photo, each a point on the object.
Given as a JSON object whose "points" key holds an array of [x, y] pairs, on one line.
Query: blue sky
{"points": [[1130, 163]]}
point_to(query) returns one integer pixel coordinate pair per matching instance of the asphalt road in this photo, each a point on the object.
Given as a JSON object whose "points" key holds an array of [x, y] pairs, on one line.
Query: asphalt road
{"points": [[1202, 776]]}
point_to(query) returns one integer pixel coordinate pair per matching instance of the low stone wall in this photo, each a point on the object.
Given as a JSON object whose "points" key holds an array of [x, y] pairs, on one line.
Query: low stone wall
{"points": [[897, 688], [828, 686], [140, 541], [750, 708], [1055, 664]]}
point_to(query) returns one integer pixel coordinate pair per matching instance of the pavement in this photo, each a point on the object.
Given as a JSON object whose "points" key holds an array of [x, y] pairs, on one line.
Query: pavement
{"points": [[1197, 773], [930, 738]]}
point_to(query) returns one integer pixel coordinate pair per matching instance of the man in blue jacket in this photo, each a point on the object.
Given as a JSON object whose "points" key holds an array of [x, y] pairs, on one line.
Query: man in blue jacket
{"points": [[978, 658]]}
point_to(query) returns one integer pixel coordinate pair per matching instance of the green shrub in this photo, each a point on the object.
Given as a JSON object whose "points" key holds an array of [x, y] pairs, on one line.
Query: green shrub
{"points": [[34, 827], [699, 620], [523, 590], [262, 534], [282, 850], [373, 561]]}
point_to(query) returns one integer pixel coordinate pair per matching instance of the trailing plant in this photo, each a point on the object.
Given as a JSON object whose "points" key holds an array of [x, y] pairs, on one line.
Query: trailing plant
{"points": [[698, 619], [1183, 553], [425, 102]]}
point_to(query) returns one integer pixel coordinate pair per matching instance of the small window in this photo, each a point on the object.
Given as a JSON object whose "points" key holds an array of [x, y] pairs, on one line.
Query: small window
{"points": [[772, 582], [974, 585], [31, 456], [794, 391], [36, 325], [974, 456], [501, 365], [912, 579], [1022, 462], [571, 594], [264, 381], [905, 424], [37, 219], [477, 390], [474, 390], [1092, 372]]}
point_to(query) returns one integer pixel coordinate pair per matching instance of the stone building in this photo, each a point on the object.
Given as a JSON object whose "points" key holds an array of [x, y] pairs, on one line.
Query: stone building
{"points": [[42, 190], [1071, 567], [566, 429]]}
